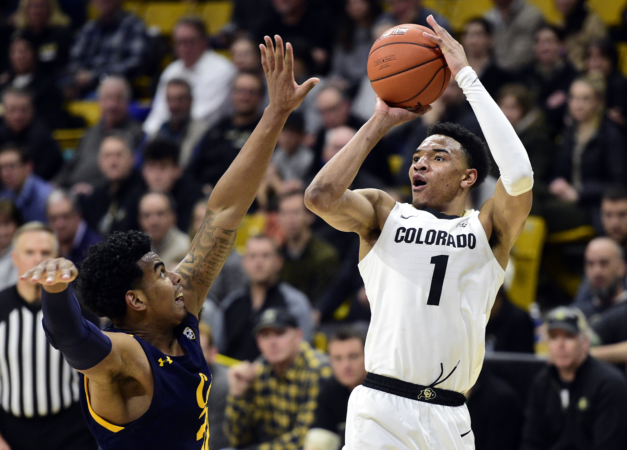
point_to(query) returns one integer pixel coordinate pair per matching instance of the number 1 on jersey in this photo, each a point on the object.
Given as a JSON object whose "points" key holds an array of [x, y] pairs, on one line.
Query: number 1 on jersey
{"points": [[435, 291]]}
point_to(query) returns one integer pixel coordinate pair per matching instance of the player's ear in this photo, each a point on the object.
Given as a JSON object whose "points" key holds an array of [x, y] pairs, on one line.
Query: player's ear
{"points": [[134, 300], [470, 178]]}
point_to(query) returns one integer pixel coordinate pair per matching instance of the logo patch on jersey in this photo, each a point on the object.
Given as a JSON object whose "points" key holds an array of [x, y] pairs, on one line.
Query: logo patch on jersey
{"points": [[426, 394], [163, 361], [189, 333], [583, 404]]}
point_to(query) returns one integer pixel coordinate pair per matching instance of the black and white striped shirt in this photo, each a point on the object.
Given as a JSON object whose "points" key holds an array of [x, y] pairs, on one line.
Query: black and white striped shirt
{"points": [[35, 379]]}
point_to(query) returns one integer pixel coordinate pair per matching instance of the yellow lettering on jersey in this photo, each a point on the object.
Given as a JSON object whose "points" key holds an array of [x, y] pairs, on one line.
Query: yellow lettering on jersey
{"points": [[163, 361], [202, 404]]}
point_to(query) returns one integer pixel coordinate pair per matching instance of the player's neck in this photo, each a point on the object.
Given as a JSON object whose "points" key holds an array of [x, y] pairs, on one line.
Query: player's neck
{"points": [[164, 341]]}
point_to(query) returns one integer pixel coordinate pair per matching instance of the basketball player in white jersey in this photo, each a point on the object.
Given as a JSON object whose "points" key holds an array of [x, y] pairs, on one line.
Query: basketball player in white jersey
{"points": [[431, 269]]}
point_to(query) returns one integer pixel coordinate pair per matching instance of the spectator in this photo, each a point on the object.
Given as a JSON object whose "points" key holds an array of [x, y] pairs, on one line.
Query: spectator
{"points": [[162, 173], [411, 11], [114, 95], [20, 126], [44, 410], [157, 218], [10, 221], [180, 127], [515, 23], [221, 144], [509, 328], [21, 185], [478, 43], [71, 230], [580, 26], [292, 159], [112, 44], [113, 205], [219, 389], [245, 56], [309, 263], [271, 403], [577, 401], [208, 73], [243, 307], [550, 75], [346, 353], [43, 24], [614, 214]]}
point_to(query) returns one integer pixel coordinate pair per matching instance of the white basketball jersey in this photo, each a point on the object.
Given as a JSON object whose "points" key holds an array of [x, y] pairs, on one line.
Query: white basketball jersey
{"points": [[431, 280]]}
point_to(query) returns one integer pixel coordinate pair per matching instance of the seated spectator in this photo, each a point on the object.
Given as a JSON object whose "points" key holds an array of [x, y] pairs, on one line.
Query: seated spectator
{"points": [[220, 145], [591, 155], [271, 403], [412, 11], [114, 95], [580, 25], [509, 329], [10, 221], [614, 214], [514, 22], [25, 74], [66, 220], [478, 44], [21, 185], [309, 263], [112, 44], [243, 307], [43, 24], [346, 353], [208, 74], [245, 55], [157, 218], [577, 401], [20, 126], [549, 76], [219, 389], [180, 127], [113, 205], [602, 59], [162, 173], [292, 159], [605, 284]]}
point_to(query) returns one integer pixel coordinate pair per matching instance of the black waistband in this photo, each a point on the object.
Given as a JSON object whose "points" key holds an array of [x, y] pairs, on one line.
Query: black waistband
{"points": [[414, 391]]}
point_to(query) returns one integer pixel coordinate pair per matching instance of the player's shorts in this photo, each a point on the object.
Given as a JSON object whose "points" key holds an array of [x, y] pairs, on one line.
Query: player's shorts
{"points": [[379, 420]]}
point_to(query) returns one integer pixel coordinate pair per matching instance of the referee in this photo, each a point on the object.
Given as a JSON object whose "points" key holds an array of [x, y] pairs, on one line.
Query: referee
{"points": [[39, 406]]}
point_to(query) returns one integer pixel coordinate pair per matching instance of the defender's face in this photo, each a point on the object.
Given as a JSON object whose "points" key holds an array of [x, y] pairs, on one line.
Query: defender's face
{"points": [[439, 166]]}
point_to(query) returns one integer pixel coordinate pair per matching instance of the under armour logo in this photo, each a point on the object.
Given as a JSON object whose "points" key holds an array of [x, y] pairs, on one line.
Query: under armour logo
{"points": [[162, 361], [426, 394], [463, 224]]}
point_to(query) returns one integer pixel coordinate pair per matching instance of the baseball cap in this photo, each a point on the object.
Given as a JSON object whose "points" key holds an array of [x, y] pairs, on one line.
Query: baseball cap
{"points": [[566, 318], [277, 318]]}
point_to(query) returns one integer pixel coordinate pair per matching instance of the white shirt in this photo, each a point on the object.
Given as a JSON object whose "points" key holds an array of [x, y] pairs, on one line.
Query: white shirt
{"points": [[210, 79]]}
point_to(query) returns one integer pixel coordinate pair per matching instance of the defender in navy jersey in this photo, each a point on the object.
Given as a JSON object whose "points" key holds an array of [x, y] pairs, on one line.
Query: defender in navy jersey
{"points": [[431, 269], [145, 381]]}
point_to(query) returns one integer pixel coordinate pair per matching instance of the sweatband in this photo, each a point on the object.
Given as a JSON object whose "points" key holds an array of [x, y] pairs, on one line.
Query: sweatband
{"points": [[81, 342], [508, 152]]}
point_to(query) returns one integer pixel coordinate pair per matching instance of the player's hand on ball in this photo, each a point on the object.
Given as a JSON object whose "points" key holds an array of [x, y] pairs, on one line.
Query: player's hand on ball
{"points": [[54, 274], [397, 116], [452, 50], [278, 64], [241, 377]]}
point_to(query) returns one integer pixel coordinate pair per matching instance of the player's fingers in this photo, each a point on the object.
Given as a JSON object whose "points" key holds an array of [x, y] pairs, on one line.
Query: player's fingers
{"points": [[279, 54], [264, 58], [51, 271], [68, 269], [434, 38], [36, 273], [289, 58], [307, 86], [270, 52]]}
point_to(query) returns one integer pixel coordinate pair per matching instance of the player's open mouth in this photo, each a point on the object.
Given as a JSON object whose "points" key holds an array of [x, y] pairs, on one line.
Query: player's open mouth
{"points": [[418, 183], [179, 299]]}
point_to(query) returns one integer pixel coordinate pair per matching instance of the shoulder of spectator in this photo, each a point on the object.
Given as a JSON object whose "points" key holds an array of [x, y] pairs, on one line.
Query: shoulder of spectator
{"points": [[233, 297]]}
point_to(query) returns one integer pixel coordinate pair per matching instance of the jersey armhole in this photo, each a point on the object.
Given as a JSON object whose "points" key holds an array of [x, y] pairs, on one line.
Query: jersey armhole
{"points": [[99, 420], [363, 261]]}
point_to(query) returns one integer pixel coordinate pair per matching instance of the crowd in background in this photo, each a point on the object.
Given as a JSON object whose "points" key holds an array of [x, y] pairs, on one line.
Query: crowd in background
{"points": [[151, 165]]}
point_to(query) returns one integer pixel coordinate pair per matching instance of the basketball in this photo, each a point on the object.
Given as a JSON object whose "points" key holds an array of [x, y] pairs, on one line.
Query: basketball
{"points": [[407, 70]]}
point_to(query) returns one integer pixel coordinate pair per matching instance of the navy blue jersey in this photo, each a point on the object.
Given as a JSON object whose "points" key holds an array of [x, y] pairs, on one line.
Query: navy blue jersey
{"points": [[177, 417]]}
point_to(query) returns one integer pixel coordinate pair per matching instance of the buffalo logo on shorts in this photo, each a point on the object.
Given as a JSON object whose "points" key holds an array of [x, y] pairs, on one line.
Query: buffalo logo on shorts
{"points": [[189, 333], [426, 394]]}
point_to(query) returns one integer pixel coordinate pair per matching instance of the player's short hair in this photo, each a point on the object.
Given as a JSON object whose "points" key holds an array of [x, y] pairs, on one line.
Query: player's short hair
{"points": [[615, 193], [346, 333], [110, 270], [161, 149], [475, 150]]}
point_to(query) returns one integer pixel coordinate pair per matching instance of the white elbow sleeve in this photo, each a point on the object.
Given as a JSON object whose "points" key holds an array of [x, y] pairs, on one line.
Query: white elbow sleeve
{"points": [[508, 152]]}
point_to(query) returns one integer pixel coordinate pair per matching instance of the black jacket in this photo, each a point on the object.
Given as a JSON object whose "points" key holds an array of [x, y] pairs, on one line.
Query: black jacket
{"points": [[595, 419]]}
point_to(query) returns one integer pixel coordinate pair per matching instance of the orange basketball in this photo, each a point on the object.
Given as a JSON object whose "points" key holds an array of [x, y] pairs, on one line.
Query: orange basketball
{"points": [[406, 69]]}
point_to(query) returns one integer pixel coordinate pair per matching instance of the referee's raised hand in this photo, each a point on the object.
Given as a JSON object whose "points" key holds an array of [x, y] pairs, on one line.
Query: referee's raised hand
{"points": [[53, 274]]}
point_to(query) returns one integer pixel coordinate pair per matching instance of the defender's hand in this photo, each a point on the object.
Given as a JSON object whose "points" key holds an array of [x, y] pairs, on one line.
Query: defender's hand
{"points": [[398, 116], [285, 94], [54, 274], [452, 50]]}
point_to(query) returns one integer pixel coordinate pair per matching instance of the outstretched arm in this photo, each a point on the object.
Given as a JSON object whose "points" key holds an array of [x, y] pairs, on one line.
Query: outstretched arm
{"points": [[236, 190], [503, 216]]}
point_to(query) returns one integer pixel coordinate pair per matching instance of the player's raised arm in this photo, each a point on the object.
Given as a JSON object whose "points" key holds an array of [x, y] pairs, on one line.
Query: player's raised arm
{"points": [[236, 190], [504, 215]]}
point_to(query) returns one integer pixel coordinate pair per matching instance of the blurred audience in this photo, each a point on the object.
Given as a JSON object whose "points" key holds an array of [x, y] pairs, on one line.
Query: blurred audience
{"points": [[292, 159], [411, 11], [271, 403], [245, 55], [510, 329], [208, 73], [10, 221], [614, 214]]}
